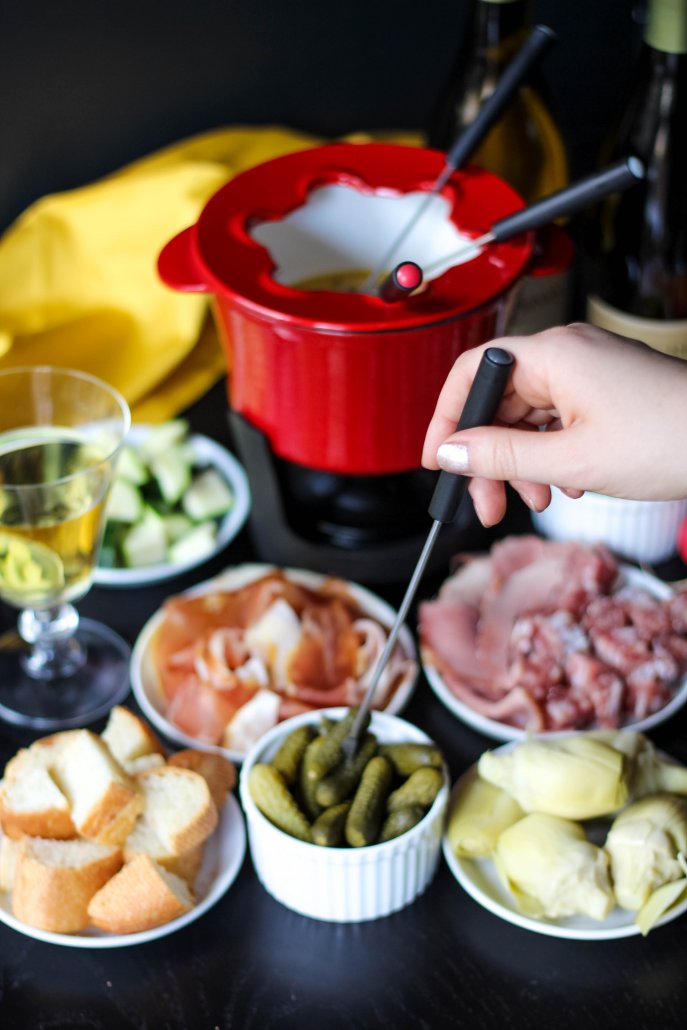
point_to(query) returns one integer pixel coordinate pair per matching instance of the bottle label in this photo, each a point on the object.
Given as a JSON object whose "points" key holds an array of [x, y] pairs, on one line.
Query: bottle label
{"points": [[669, 336]]}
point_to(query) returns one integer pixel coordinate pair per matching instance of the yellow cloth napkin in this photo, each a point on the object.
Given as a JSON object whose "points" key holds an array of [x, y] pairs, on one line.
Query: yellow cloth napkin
{"points": [[78, 279]]}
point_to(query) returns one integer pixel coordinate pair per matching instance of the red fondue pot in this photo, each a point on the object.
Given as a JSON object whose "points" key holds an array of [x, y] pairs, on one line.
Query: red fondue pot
{"points": [[344, 382]]}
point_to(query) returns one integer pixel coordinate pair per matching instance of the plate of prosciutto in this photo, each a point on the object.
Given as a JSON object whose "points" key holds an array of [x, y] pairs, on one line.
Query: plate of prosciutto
{"points": [[542, 636], [222, 663]]}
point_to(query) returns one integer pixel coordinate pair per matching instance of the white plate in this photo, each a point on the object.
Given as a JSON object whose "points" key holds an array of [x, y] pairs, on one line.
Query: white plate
{"points": [[502, 731], [222, 859], [144, 681], [478, 877], [215, 456]]}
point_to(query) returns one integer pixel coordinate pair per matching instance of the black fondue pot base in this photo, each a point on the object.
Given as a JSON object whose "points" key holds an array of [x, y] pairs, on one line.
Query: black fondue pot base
{"points": [[366, 528]]}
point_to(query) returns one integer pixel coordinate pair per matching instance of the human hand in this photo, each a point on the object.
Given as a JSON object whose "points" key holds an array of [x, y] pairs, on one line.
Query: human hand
{"points": [[584, 410]]}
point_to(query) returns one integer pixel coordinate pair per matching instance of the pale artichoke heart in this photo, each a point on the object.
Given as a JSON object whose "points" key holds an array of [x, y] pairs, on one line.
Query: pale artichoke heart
{"points": [[575, 777], [479, 813], [648, 772], [643, 846], [552, 870]]}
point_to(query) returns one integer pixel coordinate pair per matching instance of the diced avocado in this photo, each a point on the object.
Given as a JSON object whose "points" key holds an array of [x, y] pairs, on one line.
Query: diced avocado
{"points": [[160, 438], [176, 525], [208, 497], [130, 467], [124, 503], [193, 545], [172, 472], [145, 543]]}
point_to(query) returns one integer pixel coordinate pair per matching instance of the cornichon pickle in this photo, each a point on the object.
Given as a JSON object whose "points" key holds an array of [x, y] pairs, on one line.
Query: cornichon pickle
{"points": [[400, 820], [420, 788], [368, 805], [290, 754], [342, 782], [308, 779], [406, 758], [273, 798], [330, 755], [328, 828]]}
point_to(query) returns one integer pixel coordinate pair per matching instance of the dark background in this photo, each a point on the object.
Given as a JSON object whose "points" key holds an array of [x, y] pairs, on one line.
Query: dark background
{"points": [[88, 85]]}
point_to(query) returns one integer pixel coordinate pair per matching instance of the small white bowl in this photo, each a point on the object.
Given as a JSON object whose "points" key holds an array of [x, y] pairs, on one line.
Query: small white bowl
{"points": [[639, 530], [210, 454], [345, 885]]}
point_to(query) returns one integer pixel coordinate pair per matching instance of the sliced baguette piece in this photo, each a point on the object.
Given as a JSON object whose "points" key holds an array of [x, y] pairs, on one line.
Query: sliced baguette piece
{"points": [[128, 737], [32, 803], [8, 861], [105, 801], [43, 752], [217, 771], [140, 896], [143, 763], [143, 840], [54, 880], [178, 807]]}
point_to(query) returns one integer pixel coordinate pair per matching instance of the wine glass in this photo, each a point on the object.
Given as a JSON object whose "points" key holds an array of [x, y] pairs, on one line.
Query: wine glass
{"points": [[60, 434]]}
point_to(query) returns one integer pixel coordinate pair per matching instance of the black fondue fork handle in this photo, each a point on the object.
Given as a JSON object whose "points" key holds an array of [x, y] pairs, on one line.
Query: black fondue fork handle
{"points": [[480, 409]]}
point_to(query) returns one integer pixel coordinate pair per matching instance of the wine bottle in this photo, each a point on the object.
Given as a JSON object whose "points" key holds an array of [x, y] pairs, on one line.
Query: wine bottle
{"points": [[636, 274], [525, 146]]}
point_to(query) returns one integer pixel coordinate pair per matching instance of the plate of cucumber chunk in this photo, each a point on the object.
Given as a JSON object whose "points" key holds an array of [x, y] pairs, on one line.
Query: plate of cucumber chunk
{"points": [[177, 499]]}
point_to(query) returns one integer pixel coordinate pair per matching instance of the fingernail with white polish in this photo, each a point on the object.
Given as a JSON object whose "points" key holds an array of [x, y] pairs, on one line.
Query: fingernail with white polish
{"points": [[453, 457]]}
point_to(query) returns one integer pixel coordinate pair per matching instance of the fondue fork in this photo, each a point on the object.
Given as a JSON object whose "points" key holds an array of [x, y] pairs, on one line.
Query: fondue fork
{"points": [[539, 40], [401, 281], [565, 202], [480, 409]]}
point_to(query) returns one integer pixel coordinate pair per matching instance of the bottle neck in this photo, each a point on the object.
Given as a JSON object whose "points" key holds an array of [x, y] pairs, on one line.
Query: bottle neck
{"points": [[498, 28]]}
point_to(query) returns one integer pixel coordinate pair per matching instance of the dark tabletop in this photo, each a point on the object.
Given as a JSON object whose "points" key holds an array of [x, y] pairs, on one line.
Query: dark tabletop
{"points": [[250, 963]]}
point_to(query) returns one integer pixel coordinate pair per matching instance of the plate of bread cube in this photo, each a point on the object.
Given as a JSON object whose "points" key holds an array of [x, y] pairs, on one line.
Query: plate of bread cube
{"points": [[108, 840]]}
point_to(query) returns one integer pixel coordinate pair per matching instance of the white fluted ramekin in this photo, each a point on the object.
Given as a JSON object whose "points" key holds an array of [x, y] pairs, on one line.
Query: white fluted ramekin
{"points": [[643, 531], [343, 885]]}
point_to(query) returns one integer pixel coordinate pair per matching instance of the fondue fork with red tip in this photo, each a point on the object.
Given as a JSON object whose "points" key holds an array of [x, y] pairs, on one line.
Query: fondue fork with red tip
{"points": [[480, 409], [403, 280], [565, 202], [533, 49]]}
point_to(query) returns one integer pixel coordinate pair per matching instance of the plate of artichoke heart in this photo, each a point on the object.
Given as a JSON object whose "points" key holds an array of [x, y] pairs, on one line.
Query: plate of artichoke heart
{"points": [[577, 835]]}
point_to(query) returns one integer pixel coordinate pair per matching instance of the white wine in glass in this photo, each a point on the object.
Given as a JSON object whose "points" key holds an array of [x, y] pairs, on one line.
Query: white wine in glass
{"points": [[60, 434]]}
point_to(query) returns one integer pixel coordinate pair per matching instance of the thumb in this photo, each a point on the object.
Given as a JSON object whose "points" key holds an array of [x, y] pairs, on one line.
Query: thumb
{"points": [[500, 453]]}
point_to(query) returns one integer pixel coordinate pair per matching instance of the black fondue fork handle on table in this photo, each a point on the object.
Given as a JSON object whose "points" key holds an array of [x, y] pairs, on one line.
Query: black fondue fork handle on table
{"points": [[480, 409]]}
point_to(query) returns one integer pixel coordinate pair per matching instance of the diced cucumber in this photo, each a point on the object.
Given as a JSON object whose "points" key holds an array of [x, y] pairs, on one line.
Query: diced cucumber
{"points": [[146, 542], [176, 525], [160, 438], [124, 503], [193, 545], [208, 496], [172, 472], [130, 467]]}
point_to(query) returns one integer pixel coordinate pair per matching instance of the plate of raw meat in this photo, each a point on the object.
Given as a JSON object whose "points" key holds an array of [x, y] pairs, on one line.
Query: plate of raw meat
{"points": [[542, 636]]}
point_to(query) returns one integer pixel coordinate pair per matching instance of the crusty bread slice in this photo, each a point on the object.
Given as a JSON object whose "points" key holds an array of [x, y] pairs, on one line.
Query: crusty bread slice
{"points": [[43, 752], [8, 861], [143, 763], [217, 771], [128, 737], [140, 896], [32, 803], [143, 840], [54, 880], [105, 801], [178, 807]]}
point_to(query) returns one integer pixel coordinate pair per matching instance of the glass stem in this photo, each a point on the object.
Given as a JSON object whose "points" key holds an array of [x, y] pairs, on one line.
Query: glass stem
{"points": [[54, 650]]}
